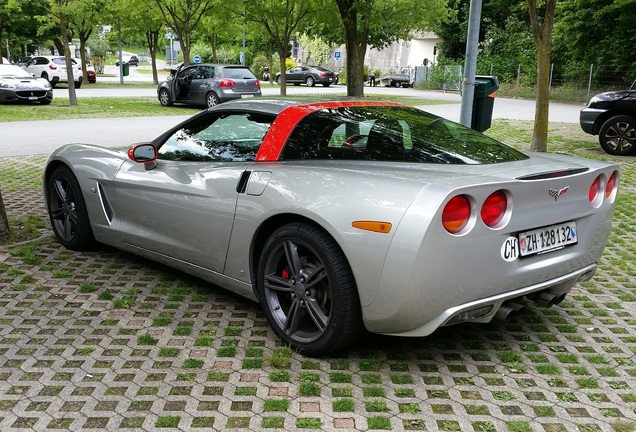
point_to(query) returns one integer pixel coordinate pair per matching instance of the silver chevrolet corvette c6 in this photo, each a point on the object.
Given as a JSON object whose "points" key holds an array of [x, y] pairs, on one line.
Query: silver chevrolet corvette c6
{"points": [[343, 216]]}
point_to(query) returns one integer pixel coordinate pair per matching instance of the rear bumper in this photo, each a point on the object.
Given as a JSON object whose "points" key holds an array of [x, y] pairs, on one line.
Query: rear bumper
{"points": [[484, 310], [588, 117]]}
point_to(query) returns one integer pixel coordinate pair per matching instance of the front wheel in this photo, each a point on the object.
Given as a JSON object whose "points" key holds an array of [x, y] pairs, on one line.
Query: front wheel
{"points": [[618, 135], [78, 84], [67, 211], [212, 100], [307, 290], [164, 97], [278, 80]]}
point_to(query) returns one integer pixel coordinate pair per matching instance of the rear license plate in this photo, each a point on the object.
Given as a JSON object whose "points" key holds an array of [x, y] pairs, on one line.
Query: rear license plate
{"points": [[547, 239], [247, 95]]}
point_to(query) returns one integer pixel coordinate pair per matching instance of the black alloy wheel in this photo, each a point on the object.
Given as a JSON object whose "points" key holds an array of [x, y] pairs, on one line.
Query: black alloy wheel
{"points": [[67, 211], [618, 135], [307, 290]]}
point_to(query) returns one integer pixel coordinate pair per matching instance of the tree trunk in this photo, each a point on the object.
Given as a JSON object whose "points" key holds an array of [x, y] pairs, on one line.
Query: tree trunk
{"points": [[152, 37], [542, 34], [542, 109], [4, 221], [72, 96], [282, 55], [356, 45]]}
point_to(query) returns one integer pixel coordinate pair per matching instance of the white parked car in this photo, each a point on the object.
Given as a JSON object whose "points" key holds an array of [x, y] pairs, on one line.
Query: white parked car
{"points": [[53, 68]]}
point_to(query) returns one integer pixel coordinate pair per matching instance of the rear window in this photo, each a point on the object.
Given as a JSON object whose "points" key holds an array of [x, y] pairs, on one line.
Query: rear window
{"points": [[389, 133], [238, 73]]}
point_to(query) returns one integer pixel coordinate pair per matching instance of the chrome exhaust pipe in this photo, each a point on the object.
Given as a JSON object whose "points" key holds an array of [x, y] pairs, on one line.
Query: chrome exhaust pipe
{"points": [[547, 298], [508, 311]]}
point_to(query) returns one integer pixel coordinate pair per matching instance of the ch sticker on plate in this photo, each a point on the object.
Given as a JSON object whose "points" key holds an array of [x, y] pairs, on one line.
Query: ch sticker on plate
{"points": [[510, 249]]}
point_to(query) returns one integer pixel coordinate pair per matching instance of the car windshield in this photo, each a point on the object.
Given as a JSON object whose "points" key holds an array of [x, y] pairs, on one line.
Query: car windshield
{"points": [[13, 71], [389, 133], [238, 73]]}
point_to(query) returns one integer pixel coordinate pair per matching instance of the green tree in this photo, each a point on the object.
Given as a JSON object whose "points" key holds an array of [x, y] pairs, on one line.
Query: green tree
{"points": [[183, 17], [280, 20], [316, 48], [82, 20], [145, 19], [379, 24], [542, 33], [58, 14], [597, 32]]}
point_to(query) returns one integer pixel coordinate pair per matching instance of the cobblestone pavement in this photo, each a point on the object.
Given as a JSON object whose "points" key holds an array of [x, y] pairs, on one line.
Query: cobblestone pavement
{"points": [[107, 341]]}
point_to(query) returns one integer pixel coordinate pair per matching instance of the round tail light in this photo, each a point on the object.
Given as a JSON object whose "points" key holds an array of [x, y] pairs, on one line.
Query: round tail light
{"points": [[610, 187], [494, 208], [456, 214], [594, 193]]}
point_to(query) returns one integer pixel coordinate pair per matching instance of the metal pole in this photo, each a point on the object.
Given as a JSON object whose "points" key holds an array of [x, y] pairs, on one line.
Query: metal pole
{"points": [[470, 65], [243, 56], [518, 78], [121, 60], [589, 82]]}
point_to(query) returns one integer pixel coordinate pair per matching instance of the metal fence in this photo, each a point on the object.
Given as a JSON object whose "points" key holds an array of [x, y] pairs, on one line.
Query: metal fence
{"points": [[566, 83]]}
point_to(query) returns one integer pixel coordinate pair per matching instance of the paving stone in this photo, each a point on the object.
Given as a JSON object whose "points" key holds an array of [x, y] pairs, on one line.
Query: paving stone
{"points": [[104, 340]]}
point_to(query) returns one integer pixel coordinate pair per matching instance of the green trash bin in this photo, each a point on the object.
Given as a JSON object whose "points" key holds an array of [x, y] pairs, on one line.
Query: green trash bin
{"points": [[125, 69], [483, 102]]}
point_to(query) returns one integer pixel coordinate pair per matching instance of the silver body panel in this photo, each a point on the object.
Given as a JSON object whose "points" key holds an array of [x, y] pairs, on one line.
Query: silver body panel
{"points": [[410, 281]]}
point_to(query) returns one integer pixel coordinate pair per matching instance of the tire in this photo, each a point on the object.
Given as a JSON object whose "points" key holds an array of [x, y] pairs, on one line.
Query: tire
{"points": [[618, 135], [310, 81], [316, 315], [278, 80], [164, 97], [67, 211], [46, 77], [78, 84], [45, 101], [326, 84], [397, 84], [211, 99]]}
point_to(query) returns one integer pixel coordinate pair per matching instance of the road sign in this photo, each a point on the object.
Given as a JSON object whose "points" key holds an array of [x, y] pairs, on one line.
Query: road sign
{"points": [[336, 55], [197, 59]]}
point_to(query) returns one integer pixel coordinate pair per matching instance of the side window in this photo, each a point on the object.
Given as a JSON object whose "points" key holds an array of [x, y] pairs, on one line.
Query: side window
{"points": [[218, 138], [206, 72], [41, 61]]}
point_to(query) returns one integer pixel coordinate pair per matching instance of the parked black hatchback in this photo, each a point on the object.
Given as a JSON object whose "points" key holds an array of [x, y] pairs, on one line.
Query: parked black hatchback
{"points": [[612, 116], [208, 84]]}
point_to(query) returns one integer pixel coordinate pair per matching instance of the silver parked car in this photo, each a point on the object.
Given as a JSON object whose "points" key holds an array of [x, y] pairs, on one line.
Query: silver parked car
{"points": [[17, 85], [208, 85], [343, 216]]}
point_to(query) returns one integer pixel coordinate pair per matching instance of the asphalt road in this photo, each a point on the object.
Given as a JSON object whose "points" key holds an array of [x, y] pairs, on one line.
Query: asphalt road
{"points": [[42, 137]]}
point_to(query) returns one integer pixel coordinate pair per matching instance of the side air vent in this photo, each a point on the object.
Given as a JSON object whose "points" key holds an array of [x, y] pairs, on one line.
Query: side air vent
{"points": [[108, 209], [554, 174]]}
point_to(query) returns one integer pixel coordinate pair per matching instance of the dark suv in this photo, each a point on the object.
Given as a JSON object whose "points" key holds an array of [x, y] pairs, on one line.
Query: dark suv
{"points": [[208, 84], [612, 116]]}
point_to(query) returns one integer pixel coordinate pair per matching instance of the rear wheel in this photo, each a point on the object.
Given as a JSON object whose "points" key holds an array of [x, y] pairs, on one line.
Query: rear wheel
{"points": [[307, 290], [397, 84], [310, 81], [164, 97], [212, 100], [67, 211], [618, 135]]}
